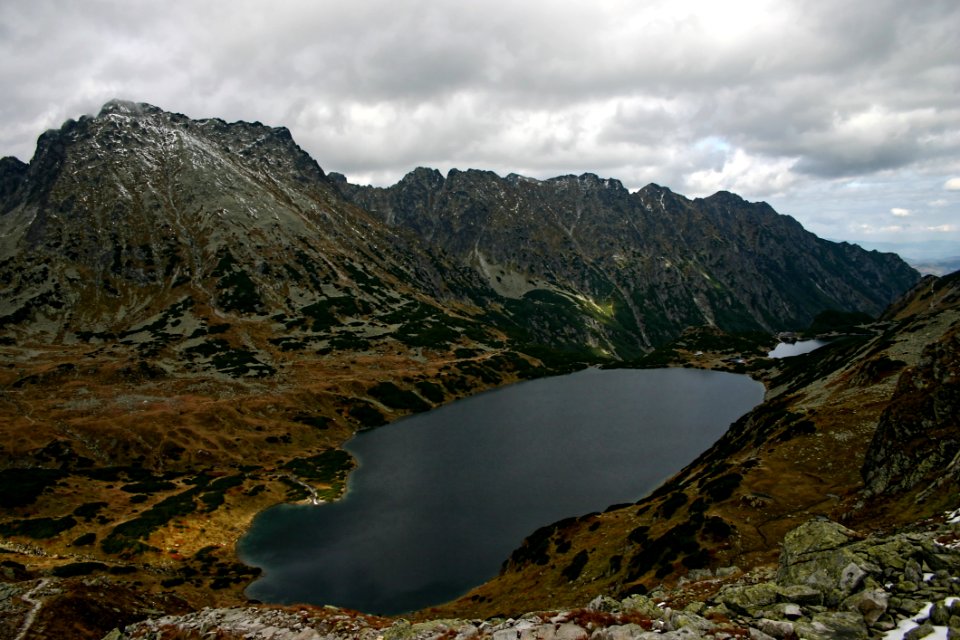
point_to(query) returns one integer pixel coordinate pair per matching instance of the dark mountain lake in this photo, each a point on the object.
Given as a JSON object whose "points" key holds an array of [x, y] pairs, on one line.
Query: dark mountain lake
{"points": [[440, 499]]}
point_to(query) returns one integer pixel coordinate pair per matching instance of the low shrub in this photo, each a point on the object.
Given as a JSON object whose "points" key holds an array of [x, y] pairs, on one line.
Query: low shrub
{"points": [[572, 571], [38, 528], [78, 569]]}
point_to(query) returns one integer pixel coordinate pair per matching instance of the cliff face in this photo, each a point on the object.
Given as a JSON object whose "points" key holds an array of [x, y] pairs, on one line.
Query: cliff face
{"points": [[654, 259], [915, 451]]}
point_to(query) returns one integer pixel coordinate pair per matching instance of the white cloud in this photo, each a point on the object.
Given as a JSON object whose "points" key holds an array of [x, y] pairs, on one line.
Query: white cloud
{"points": [[870, 229], [953, 184], [745, 174], [900, 212]]}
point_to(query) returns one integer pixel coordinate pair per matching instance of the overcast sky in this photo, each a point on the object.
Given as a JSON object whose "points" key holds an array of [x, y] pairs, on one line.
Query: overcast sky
{"points": [[843, 114]]}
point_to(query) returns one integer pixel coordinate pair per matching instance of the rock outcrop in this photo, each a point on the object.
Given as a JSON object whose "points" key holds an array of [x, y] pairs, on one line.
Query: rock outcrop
{"points": [[917, 443], [831, 583]]}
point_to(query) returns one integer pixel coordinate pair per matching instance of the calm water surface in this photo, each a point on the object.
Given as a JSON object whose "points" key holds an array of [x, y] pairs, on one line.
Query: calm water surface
{"points": [[441, 499], [786, 349]]}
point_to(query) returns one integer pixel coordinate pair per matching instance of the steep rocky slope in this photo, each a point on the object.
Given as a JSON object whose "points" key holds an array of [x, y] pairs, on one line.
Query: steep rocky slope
{"points": [[639, 265], [915, 452]]}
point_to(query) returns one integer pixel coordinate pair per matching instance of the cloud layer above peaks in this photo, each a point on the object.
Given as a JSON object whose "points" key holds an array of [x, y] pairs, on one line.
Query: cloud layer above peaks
{"points": [[836, 113]]}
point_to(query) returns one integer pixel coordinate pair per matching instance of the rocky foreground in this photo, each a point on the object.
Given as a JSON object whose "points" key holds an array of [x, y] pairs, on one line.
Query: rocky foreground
{"points": [[831, 582]]}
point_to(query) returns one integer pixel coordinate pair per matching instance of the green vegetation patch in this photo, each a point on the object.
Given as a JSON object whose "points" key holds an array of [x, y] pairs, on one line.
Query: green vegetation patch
{"points": [[431, 391], [717, 529], [833, 321], [536, 547], [396, 398], [38, 528], [422, 325], [573, 570], [327, 313], [366, 414], [214, 496], [672, 503], [21, 487], [149, 486], [233, 361], [327, 467], [235, 290], [316, 421], [115, 474], [659, 553], [85, 540], [722, 488], [78, 569]]}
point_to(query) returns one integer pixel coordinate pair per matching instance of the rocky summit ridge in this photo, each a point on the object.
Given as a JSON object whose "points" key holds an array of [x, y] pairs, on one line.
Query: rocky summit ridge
{"points": [[195, 317], [652, 259]]}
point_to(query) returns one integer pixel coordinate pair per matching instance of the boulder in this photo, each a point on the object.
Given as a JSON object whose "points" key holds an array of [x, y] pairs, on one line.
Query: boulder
{"points": [[871, 604], [851, 576], [833, 625], [776, 628], [604, 603], [748, 599], [814, 537], [921, 631], [822, 555], [791, 611], [800, 594], [756, 634], [623, 632], [642, 605]]}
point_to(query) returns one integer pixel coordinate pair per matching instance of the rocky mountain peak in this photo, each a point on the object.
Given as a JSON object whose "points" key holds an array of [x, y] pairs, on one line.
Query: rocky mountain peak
{"points": [[136, 207], [128, 108], [725, 197], [586, 182], [425, 176]]}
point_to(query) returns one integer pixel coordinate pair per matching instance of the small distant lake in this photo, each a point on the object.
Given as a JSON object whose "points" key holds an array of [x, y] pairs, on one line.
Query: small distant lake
{"points": [[786, 349], [440, 499]]}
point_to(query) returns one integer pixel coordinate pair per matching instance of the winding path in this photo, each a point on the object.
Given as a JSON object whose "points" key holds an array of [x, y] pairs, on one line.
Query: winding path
{"points": [[32, 614]]}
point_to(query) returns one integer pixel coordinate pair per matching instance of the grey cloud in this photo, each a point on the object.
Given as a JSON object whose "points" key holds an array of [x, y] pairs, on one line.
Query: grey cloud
{"points": [[776, 97]]}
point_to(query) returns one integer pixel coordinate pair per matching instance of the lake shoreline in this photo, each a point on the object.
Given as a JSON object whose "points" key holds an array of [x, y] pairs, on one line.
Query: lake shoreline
{"points": [[609, 496]]}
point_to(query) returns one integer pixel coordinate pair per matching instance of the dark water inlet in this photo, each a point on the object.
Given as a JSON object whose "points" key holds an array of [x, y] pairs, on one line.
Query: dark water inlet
{"points": [[440, 499]]}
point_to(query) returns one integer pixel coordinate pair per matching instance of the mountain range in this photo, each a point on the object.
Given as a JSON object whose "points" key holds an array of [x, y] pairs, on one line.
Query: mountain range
{"points": [[121, 216], [195, 316]]}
